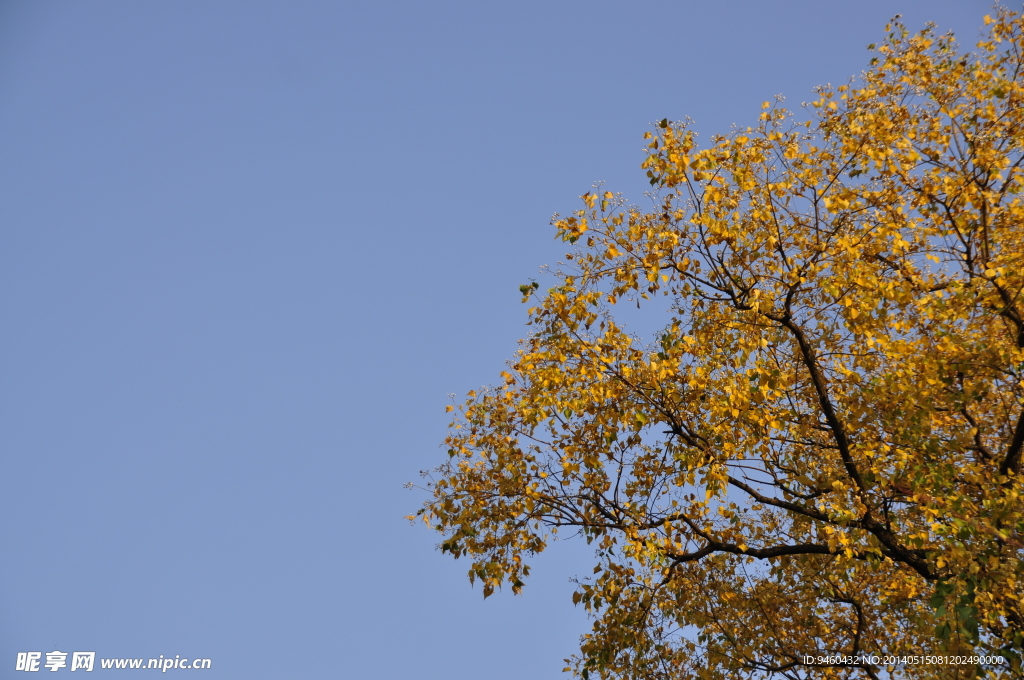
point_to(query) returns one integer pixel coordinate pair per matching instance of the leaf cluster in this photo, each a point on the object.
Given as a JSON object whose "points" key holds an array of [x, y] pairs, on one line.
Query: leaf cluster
{"points": [[820, 452]]}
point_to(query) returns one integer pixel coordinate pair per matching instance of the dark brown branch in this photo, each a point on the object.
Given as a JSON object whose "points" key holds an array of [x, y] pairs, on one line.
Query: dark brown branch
{"points": [[818, 380], [1011, 463], [759, 553], [785, 505]]}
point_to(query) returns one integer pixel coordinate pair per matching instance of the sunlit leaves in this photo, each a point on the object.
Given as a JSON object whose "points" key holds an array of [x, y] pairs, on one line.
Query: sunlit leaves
{"points": [[820, 452]]}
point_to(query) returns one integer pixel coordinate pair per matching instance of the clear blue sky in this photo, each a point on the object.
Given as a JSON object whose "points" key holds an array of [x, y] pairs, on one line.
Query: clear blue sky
{"points": [[248, 248]]}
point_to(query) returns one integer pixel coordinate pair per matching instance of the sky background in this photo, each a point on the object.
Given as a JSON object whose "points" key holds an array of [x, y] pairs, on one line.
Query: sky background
{"points": [[247, 249]]}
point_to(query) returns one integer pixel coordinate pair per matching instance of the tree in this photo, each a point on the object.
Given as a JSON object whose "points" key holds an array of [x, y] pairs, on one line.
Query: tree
{"points": [[820, 453]]}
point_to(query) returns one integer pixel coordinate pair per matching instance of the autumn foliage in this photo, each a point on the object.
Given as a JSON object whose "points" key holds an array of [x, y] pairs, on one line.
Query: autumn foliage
{"points": [[820, 452]]}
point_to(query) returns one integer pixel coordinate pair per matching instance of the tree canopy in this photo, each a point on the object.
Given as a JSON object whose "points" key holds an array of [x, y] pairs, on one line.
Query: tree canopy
{"points": [[820, 452]]}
